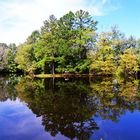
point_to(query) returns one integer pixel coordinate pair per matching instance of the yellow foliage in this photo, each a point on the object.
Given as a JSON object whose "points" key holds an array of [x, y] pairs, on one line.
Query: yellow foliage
{"points": [[103, 61], [128, 63]]}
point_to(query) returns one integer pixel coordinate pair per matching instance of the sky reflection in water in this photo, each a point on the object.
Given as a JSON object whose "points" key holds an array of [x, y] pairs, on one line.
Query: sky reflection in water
{"points": [[76, 109]]}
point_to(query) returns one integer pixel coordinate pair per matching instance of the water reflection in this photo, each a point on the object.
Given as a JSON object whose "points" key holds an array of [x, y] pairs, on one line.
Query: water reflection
{"points": [[67, 109], [70, 107], [115, 99], [7, 88]]}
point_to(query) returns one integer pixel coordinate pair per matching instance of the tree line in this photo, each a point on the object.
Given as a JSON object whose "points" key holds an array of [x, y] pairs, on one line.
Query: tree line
{"points": [[72, 44]]}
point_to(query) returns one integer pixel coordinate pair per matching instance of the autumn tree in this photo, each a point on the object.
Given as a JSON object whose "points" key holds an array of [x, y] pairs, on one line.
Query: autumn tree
{"points": [[103, 62], [128, 63]]}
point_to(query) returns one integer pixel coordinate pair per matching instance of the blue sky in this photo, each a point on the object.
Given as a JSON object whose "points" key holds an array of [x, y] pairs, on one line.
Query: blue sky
{"points": [[126, 17], [18, 18]]}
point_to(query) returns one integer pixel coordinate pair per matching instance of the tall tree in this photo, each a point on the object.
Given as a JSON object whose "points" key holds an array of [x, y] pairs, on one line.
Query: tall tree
{"points": [[46, 50], [77, 32], [103, 62]]}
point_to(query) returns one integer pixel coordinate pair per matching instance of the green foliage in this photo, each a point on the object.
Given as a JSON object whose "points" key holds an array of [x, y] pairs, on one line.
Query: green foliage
{"points": [[3, 55], [138, 51], [76, 33], [63, 44], [33, 37], [103, 61], [46, 47], [71, 44], [25, 58], [11, 64]]}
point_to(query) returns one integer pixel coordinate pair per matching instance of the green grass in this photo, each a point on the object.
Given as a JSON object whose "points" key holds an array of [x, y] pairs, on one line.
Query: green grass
{"points": [[61, 75]]}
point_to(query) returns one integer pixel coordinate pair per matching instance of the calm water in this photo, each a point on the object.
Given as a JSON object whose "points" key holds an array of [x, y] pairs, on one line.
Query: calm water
{"points": [[61, 109]]}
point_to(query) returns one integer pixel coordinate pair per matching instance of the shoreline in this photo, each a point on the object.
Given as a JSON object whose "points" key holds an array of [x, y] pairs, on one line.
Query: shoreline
{"points": [[65, 75]]}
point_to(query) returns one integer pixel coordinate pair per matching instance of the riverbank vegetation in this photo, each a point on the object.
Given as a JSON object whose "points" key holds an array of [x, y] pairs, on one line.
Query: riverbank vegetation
{"points": [[72, 44]]}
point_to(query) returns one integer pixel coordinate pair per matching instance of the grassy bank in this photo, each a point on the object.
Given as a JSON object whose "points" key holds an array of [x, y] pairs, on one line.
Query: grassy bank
{"points": [[62, 75]]}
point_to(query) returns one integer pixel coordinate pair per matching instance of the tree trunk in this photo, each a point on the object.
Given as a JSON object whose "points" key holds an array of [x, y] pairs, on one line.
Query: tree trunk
{"points": [[53, 64], [45, 68], [53, 68]]}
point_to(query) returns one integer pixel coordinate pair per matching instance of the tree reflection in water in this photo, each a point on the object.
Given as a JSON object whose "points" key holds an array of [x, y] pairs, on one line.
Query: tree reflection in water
{"points": [[115, 99], [7, 88], [69, 107]]}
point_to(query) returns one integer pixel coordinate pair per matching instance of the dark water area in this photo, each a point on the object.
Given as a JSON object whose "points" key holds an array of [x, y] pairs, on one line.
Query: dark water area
{"points": [[102, 108]]}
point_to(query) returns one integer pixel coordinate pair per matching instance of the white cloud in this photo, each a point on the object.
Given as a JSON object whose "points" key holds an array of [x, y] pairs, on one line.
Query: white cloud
{"points": [[18, 18]]}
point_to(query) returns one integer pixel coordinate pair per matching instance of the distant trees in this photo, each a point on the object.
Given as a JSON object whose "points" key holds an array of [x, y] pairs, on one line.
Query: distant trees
{"points": [[7, 57], [3, 55], [71, 44]]}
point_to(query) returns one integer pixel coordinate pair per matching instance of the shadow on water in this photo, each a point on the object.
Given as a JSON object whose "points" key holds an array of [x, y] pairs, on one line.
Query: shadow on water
{"points": [[70, 107]]}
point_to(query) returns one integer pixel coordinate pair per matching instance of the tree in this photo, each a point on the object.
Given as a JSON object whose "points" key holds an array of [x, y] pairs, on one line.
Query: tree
{"points": [[11, 64], [128, 63], [77, 32], [46, 47], [71, 44], [103, 62], [3, 55], [25, 58], [118, 41], [138, 51], [33, 38], [131, 43], [25, 55], [64, 44]]}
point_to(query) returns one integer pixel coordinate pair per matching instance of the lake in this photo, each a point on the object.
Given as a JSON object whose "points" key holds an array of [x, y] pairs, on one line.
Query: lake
{"points": [[101, 108]]}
